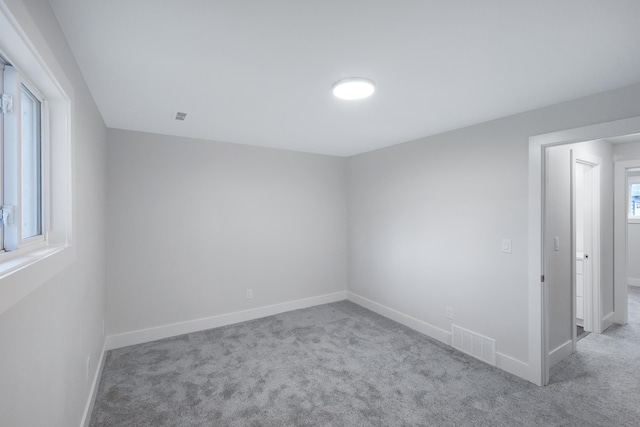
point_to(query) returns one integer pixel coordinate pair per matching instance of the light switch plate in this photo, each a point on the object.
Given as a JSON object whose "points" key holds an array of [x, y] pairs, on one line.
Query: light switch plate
{"points": [[506, 246]]}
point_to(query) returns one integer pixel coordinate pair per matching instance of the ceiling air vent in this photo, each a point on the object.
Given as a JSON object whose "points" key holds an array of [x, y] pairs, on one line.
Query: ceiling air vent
{"points": [[181, 116]]}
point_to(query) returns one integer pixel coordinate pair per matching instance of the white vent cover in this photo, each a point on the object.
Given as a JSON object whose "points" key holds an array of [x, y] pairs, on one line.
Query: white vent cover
{"points": [[181, 116], [476, 345]]}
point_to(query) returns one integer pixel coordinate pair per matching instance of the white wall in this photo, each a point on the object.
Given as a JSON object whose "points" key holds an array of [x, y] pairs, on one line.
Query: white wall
{"points": [[46, 337], [626, 151], [426, 219], [192, 224]]}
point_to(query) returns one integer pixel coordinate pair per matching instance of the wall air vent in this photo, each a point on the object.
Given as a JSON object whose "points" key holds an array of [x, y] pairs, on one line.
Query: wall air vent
{"points": [[474, 344], [180, 116]]}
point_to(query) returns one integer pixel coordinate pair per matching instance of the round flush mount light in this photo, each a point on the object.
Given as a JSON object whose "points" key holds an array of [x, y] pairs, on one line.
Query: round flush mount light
{"points": [[353, 88]]}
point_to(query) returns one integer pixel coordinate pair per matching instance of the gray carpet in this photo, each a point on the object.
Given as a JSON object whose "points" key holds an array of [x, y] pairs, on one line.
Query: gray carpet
{"points": [[341, 365]]}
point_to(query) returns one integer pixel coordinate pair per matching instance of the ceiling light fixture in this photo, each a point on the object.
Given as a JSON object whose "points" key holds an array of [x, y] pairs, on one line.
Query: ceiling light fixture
{"points": [[353, 88]]}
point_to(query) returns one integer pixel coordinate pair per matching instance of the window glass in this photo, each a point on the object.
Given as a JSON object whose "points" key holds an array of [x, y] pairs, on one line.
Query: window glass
{"points": [[31, 148]]}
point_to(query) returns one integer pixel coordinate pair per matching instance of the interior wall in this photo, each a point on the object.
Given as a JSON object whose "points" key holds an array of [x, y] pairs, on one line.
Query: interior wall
{"points": [[426, 220], [45, 338], [193, 224]]}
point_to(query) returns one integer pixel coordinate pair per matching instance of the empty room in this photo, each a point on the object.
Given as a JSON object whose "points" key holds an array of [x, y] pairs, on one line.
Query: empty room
{"points": [[331, 213]]}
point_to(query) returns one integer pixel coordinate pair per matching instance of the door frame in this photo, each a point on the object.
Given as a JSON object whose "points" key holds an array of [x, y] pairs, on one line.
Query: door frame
{"points": [[537, 292], [620, 237]]}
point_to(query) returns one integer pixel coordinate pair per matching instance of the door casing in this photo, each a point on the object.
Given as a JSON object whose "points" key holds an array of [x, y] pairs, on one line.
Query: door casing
{"points": [[538, 307]]}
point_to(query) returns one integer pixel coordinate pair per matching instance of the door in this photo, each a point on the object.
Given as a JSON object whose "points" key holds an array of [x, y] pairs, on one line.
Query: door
{"points": [[559, 256], [587, 240], [583, 243], [571, 222]]}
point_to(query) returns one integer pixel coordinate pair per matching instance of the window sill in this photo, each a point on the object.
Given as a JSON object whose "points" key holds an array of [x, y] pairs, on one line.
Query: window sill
{"points": [[24, 273]]}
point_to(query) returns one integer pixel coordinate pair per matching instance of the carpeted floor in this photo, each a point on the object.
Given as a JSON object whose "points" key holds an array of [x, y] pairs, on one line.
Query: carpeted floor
{"points": [[341, 365], [581, 333]]}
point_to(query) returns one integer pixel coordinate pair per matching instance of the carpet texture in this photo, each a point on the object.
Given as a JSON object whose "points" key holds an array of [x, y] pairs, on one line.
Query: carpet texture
{"points": [[342, 365]]}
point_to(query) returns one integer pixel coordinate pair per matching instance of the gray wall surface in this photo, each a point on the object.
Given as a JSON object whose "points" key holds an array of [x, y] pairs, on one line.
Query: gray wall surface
{"points": [[426, 219], [192, 224], [46, 338]]}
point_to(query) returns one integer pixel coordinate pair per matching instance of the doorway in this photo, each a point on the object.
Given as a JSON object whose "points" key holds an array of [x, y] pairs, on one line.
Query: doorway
{"points": [[571, 224], [623, 171], [540, 313], [587, 187]]}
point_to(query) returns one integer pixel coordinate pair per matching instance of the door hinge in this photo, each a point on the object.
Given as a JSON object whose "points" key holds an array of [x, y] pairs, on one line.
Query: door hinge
{"points": [[6, 104], [542, 278]]}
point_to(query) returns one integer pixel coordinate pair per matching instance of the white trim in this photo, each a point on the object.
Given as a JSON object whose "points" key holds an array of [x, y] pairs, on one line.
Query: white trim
{"points": [[537, 341], [607, 321], [512, 365], [503, 361], [537, 306], [93, 391], [633, 282], [411, 322], [180, 328], [557, 354]]}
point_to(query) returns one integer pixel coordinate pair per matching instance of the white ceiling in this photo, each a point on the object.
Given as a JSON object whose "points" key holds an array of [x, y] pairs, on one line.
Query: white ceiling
{"points": [[260, 72]]}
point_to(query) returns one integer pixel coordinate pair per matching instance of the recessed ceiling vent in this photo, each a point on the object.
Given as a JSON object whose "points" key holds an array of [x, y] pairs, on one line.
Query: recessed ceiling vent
{"points": [[180, 116]]}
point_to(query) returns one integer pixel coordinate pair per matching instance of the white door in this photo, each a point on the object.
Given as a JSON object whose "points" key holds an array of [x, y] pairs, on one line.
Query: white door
{"points": [[583, 202], [559, 256], [587, 240], [567, 173]]}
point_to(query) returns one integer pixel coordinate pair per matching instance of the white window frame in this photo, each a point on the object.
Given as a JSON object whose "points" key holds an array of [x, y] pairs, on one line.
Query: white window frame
{"points": [[13, 243], [632, 219]]}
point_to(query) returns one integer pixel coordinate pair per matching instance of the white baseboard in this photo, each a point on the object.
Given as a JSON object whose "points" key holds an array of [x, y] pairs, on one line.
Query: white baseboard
{"points": [[88, 409], [608, 320], [513, 366], [174, 329], [411, 322], [633, 282], [504, 362], [557, 354]]}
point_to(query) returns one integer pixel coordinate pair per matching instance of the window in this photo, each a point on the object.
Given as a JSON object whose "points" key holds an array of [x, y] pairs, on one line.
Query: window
{"points": [[36, 170], [23, 147], [634, 197]]}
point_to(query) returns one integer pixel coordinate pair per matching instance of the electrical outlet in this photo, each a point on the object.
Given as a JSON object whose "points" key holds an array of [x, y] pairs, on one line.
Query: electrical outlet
{"points": [[449, 313], [249, 293], [88, 366]]}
